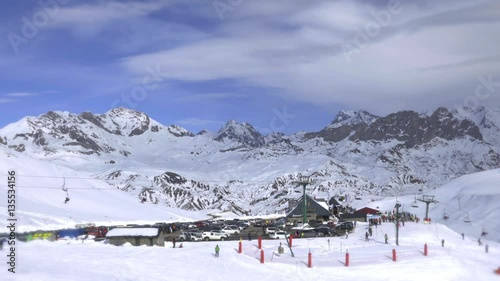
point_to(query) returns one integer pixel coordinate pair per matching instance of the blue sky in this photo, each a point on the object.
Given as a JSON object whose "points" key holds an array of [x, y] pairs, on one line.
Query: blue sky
{"points": [[279, 66]]}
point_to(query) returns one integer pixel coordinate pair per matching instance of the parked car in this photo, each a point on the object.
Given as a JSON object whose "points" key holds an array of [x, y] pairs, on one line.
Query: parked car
{"points": [[308, 233], [348, 225], [326, 231], [258, 222], [214, 235], [269, 230], [189, 236], [231, 229], [278, 235]]}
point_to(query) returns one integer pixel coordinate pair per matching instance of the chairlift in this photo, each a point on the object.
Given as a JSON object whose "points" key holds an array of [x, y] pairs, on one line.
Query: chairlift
{"points": [[415, 204], [467, 219], [484, 232], [357, 196], [445, 215], [65, 189]]}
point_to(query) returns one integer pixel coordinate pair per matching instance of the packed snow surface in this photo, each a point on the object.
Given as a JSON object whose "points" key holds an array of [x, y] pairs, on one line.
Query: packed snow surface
{"points": [[369, 260]]}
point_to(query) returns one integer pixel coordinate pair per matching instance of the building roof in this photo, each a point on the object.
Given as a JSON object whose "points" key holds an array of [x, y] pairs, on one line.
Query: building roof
{"points": [[333, 202], [321, 208], [367, 210], [134, 232]]}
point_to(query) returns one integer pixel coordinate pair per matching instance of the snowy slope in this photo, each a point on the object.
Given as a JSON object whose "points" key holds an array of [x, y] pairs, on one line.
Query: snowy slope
{"points": [[40, 198], [457, 260], [476, 196]]}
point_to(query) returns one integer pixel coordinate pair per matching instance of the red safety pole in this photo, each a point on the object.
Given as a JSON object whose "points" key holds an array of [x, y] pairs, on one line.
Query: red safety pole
{"points": [[260, 242], [309, 260], [261, 256], [291, 239], [346, 259], [393, 254], [240, 248], [425, 249]]}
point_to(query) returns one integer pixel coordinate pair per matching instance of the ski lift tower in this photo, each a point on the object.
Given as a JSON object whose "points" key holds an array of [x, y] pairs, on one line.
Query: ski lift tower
{"points": [[427, 199], [304, 181], [397, 206]]}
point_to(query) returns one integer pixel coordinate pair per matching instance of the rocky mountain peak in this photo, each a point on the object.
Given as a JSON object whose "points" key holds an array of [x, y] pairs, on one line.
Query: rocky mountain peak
{"points": [[244, 133], [348, 117], [128, 121], [179, 131]]}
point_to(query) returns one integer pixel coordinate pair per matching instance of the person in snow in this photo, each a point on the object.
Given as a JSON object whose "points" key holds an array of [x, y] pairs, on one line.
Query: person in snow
{"points": [[66, 200], [479, 241], [346, 234], [386, 237], [442, 243], [370, 231], [173, 242], [217, 249], [366, 236], [463, 236]]}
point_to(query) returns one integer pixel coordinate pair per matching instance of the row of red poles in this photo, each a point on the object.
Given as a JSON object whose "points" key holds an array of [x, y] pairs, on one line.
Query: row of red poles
{"points": [[309, 256]]}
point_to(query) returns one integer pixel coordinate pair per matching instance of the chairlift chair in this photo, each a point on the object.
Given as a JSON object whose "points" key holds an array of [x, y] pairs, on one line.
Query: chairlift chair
{"points": [[65, 189], [484, 232], [415, 204], [467, 219], [445, 215]]}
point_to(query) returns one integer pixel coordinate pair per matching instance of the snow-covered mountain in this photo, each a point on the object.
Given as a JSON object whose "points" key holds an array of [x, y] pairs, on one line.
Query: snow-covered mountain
{"points": [[240, 170]]}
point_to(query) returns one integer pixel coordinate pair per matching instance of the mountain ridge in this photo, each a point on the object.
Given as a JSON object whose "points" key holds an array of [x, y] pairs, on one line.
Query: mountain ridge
{"points": [[240, 169]]}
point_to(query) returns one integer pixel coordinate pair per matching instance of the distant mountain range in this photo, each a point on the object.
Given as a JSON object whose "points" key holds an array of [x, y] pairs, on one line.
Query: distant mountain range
{"points": [[241, 170]]}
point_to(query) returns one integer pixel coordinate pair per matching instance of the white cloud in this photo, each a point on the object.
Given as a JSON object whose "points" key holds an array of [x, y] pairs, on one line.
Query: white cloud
{"points": [[209, 96], [106, 11], [21, 94], [300, 55], [3, 100], [87, 19], [198, 122]]}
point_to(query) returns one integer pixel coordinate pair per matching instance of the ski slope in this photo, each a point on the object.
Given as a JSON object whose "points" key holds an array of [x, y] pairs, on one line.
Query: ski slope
{"points": [[457, 260], [40, 199], [476, 196]]}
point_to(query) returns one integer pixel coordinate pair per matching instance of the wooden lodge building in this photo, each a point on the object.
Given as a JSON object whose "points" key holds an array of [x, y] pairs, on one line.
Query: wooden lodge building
{"points": [[316, 210]]}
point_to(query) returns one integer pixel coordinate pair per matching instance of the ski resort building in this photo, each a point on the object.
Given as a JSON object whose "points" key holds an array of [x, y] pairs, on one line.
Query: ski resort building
{"points": [[315, 210], [361, 215], [149, 236]]}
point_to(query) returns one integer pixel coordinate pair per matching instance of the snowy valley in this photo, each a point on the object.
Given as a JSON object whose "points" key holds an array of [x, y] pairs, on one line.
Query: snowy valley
{"points": [[117, 160]]}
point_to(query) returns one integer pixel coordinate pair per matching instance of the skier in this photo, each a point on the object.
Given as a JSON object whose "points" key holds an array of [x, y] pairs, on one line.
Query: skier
{"points": [[386, 238], [479, 241], [442, 243], [366, 236], [346, 234], [463, 236], [217, 249], [173, 241], [370, 231], [66, 200]]}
